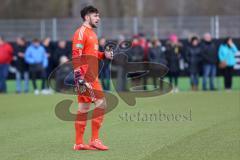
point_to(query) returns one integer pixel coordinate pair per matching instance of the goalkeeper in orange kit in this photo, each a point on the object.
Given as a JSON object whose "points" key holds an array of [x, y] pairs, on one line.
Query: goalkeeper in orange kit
{"points": [[85, 55]]}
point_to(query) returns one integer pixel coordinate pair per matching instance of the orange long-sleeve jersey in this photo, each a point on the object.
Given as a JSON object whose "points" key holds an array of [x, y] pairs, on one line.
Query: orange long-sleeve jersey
{"points": [[85, 57], [85, 52]]}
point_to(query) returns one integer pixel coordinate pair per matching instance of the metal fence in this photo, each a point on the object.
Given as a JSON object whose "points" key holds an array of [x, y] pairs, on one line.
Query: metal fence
{"points": [[218, 26]]}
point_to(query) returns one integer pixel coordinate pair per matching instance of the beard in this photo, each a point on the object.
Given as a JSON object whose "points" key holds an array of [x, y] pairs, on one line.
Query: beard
{"points": [[92, 24]]}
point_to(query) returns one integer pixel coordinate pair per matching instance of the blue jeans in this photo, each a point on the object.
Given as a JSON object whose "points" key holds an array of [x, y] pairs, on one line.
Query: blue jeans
{"points": [[3, 77], [19, 80], [194, 79], [209, 71]]}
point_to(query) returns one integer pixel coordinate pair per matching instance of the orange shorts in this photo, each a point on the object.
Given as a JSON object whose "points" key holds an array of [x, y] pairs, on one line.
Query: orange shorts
{"points": [[89, 95]]}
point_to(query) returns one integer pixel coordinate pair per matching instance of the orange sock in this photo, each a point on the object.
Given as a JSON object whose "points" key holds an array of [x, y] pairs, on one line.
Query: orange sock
{"points": [[80, 125], [97, 119]]}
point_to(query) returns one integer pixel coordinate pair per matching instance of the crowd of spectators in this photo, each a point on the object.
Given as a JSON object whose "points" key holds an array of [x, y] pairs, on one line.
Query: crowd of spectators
{"points": [[196, 56], [35, 59], [199, 56]]}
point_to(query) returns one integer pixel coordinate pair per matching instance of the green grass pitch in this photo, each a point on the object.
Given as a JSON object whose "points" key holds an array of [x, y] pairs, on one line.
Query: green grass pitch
{"points": [[200, 126]]}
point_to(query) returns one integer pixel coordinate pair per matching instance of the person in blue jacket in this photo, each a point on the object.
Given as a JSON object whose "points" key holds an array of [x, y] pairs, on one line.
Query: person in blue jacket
{"points": [[226, 55], [36, 57]]}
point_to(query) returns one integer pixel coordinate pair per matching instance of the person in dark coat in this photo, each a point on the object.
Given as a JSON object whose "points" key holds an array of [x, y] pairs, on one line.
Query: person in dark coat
{"points": [[21, 66], [48, 46], [145, 44], [193, 58], [157, 55], [173, 54], [104, 67], [136, 54], [209, 60], [63, 83], [60, 51]]}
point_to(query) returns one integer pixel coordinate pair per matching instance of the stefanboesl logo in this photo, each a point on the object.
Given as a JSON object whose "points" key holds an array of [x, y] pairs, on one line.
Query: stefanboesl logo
{"points": [[61, 80]]}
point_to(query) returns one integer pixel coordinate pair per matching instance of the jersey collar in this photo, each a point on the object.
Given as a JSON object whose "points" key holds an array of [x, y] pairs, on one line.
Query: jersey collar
{"points": [[87, 26]]}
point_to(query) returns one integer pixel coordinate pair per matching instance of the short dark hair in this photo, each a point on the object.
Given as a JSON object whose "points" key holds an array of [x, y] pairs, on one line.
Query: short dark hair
{"points": [[194, 38], [88, 9], [36, 40]]}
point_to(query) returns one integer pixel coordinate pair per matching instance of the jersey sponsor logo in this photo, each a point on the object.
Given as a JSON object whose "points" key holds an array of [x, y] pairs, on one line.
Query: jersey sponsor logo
{"points": [[79, 46]]}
